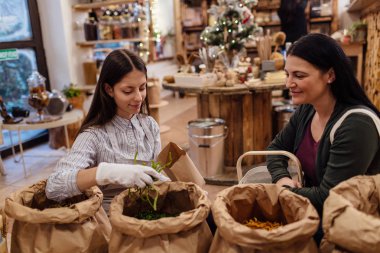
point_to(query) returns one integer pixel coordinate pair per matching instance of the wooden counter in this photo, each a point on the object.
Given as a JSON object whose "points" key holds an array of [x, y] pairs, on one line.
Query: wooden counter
{"points": [[247, 111]]}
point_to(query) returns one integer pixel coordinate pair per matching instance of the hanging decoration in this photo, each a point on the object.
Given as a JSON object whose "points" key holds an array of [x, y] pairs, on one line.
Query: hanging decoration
{"points": [[234, 25]]}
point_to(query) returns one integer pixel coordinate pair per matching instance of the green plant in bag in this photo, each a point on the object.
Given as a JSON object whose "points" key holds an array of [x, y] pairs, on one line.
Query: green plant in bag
{"points": [[144, 193]]}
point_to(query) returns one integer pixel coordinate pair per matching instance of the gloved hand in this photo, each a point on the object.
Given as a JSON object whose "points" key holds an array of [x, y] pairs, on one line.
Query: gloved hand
{"points": [[127, 175]]}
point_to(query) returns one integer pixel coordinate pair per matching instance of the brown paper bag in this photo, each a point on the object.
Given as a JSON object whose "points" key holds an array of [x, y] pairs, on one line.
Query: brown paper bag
{"points": [[266, 202], [182, 167], [81, 227], [3, 243], [351, 218], [188, 232]]}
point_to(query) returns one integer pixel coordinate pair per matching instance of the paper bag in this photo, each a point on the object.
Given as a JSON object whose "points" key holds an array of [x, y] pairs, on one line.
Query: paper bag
{"points": [[188, 232], [82, 226], [266, 202], [3, 243], [351, 218], [182, 167]]}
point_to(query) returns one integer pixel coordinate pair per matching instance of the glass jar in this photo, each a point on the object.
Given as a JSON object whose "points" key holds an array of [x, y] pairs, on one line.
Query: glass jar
{"points": [[38, 96], [90, 29], [105, 28], [116, 27]]}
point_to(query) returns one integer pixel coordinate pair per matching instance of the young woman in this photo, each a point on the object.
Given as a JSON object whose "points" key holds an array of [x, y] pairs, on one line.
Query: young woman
{"points": [[116, 128], [322, 82]]}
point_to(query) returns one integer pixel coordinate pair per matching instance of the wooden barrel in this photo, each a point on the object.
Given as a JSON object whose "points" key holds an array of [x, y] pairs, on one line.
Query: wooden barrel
{"points": [[248, 118]]}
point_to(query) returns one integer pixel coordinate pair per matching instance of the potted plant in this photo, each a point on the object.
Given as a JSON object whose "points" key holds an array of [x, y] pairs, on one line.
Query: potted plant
{"points": [[359, 31], [74, 96]]}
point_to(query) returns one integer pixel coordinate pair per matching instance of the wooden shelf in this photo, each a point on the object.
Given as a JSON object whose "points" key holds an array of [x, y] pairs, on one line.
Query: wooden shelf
{"points": [[84, 7], [193, 28], [192, 49], [359, 5], [269, 8], [94, 42], [272, 23], [321, 19]]}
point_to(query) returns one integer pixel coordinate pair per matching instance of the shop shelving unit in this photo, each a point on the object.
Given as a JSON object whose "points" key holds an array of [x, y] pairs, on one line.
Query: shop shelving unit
{"points": [[88, 6], [185, 34], [330, 22]]}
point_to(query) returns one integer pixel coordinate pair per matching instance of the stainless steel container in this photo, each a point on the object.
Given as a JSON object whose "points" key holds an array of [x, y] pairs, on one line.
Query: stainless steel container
{"points": [[207, 145], [284, 112]]}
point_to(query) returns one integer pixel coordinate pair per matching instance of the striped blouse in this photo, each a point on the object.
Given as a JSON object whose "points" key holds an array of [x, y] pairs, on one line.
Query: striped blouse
{"points": [[115, 142]]}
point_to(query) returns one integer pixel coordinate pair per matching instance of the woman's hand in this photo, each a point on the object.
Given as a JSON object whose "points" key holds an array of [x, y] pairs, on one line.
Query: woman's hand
{"points": [[289, 182], [127, 175]]}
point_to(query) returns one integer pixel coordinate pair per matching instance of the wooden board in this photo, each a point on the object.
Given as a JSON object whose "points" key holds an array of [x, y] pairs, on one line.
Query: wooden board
{"points": [[372, 64]]}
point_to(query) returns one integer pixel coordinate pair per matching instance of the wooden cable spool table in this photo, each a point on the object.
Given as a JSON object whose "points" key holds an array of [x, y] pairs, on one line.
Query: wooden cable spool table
{"points": [[247, 110]]}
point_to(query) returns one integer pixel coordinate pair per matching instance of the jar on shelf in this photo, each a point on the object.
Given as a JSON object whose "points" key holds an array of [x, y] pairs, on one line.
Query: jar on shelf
{"points": [[105, 28], [124, 28], [90, 29], [116, 27]]}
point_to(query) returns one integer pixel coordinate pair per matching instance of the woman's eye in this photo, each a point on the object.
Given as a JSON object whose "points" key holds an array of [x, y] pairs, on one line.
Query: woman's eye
{"points": [[299, 76], [127, 92]]}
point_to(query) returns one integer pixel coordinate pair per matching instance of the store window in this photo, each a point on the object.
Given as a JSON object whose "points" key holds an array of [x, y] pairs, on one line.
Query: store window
{"points": [[20, 30]]}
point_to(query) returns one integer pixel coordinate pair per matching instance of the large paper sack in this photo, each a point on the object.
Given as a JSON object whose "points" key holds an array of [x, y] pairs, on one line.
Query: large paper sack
{"points": [[81, 226], [351, 218], [188, 232], [266, 202]]}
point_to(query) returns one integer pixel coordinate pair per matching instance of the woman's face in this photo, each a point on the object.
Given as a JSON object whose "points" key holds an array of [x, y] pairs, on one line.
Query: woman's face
{"points": [[129, 93], [306, 83]]}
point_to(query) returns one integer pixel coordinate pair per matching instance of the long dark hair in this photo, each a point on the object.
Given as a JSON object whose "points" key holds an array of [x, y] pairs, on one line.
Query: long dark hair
{"points": [[117, 64], [288, 9], [325, 53]]}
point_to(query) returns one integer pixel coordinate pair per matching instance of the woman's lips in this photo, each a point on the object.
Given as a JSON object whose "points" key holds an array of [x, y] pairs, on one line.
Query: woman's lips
{"points": [[135, 106], [295, 92]]}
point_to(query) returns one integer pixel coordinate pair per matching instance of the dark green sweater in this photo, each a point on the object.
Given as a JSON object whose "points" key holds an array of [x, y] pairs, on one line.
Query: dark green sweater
{"points": [[355, 151]]}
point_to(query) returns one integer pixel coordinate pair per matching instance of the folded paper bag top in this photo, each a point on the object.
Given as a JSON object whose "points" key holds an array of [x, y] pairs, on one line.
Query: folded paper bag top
{"points": [[181, 167]]}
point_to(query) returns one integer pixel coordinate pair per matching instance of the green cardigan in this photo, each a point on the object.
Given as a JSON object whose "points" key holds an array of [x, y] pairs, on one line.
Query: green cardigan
{"points": [[355, 150]]}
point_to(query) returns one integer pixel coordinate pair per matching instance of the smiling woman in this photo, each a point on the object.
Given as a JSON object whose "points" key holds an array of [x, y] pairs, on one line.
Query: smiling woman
{"points": [[323, 84], [117, 127]]}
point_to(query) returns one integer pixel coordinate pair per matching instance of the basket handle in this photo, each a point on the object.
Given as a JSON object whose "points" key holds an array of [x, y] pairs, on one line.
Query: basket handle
{"points": [[267, 152]]}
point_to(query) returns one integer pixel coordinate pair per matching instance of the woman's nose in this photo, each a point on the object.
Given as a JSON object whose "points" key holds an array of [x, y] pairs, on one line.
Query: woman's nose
{"points": [[138, 96], [289, 82]]}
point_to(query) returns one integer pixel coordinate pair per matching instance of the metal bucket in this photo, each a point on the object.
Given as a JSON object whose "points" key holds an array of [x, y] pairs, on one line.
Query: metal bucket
{"points": [[207, 145], [284, 112]]}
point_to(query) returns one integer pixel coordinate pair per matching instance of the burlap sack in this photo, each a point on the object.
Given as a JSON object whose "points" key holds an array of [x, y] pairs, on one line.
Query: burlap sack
{"points": [[351, 217], [187, 232], [266, 202], [80, 227], [182, 167]]}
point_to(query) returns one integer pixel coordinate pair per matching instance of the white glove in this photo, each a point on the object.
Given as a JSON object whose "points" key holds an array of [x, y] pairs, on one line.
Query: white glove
{"points": [[127, 175]]}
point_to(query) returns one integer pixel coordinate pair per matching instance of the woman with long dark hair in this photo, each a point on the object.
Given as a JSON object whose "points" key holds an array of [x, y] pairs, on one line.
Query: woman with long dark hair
{"points": [[321, 81], [116, 128], [293, 18]]}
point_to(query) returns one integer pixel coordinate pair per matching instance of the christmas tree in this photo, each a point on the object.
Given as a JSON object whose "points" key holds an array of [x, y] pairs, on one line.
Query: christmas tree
{"points": [[234, 25]]}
